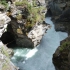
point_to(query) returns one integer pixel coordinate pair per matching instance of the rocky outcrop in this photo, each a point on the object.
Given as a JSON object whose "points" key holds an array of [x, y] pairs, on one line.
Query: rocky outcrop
{"points": [[26, 24], [21, 26], [5, 54], [57, 7], [33, 37], [37, 33], [61, 57], [62, 22]]}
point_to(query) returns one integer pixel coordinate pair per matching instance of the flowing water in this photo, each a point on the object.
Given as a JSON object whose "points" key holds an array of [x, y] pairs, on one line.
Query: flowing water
{"points": [[40, 58]]}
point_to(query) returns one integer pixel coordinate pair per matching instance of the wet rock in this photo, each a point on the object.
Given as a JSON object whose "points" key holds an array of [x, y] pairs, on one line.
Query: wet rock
{"points": [[60, 27], [54, 8], [62, 22], [61, 56], [24, 42]]}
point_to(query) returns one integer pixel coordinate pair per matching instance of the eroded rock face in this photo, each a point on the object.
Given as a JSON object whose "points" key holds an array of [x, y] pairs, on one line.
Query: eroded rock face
{"points": [[21, 26], [37, 33], [19, 35], [61, 57], [62, 23], [18, 32], [57, 7]]}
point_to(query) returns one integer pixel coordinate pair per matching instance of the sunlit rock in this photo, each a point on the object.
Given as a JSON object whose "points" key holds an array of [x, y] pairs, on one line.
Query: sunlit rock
{"points": [[5, 63], [4, 19], [37, 33]]}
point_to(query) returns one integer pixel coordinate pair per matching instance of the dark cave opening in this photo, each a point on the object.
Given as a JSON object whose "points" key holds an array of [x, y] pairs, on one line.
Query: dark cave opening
{"points": [[8, 39]]}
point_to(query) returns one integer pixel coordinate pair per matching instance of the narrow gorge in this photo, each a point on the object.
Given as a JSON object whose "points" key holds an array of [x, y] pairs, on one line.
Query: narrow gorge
{"points": [[42, 58], [35, 35]]}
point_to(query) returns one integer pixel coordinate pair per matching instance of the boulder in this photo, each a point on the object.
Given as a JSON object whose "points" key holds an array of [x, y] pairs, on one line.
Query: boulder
{"points": [[61, 57], [37, 33]]}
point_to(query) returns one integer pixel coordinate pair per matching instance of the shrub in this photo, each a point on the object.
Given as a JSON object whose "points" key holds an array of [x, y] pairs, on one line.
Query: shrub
{"points": [[65, 45], [3, 2]]}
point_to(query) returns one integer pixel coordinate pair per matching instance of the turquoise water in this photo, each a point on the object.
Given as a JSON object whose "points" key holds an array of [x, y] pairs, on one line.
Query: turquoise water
{"points": [[40, 58]]}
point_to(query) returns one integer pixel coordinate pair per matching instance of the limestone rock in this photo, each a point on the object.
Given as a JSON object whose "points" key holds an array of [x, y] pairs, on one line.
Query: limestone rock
{"points": [[37, 33], [5, 63], [4, 19], [2, 7]]}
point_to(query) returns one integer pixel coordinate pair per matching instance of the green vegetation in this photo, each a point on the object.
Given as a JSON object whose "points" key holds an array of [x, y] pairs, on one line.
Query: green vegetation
{"points": [[5, 52], [3, 2], [35, 13], [6, 60], [65, 45], [20, 3], [5, 66], [34, 3]]}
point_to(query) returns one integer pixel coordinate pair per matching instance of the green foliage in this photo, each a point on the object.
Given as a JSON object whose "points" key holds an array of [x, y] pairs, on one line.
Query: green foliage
{"points": [[35, 12], [5, 66], [5, 52], [34, 3], [24, 2], [3, 2], [65, 45]]}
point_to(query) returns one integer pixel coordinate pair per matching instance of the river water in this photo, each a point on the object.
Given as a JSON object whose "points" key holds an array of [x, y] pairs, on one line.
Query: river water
{"points": [[40, 58]]}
